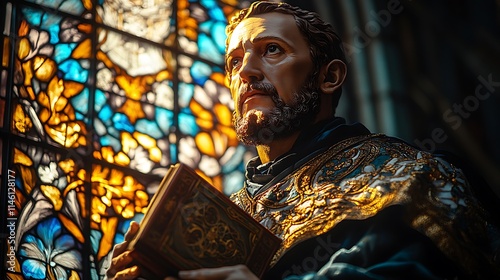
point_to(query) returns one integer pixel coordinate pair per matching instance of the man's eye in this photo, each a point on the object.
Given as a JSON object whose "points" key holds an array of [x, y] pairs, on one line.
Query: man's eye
{"points": [[234, 63], [273, 49]]}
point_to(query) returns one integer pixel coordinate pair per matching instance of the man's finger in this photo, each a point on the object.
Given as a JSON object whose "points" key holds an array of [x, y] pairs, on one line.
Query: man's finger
{"points": [[128, 274], [131, 232], [118, 263]]}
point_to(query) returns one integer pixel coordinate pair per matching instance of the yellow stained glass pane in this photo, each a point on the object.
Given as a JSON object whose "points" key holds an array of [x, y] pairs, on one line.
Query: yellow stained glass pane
{"points": [[23, 48], [44, 68], [205, 144], [224, 115]]}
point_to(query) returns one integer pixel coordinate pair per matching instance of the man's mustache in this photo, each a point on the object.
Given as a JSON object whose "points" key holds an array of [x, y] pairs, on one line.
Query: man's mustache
{"points": [[266, 88]]}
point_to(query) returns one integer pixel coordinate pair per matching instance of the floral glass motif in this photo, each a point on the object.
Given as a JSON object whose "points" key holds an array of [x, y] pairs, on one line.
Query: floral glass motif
{"points": [[98, 98]]}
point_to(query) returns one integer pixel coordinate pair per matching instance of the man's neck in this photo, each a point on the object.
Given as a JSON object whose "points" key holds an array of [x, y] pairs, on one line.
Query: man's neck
{"points": [[276, 148]]}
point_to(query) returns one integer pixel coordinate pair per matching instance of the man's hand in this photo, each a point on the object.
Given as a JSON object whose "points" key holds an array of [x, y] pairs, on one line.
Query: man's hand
{"points": [[237, 272], [119, 269]]}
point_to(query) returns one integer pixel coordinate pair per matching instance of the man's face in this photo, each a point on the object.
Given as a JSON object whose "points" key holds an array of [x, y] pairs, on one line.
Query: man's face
{"points": [[269, 65]]}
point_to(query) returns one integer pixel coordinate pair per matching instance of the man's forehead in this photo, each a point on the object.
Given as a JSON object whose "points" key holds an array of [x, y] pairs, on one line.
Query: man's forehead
{"points": [[264, 25]]}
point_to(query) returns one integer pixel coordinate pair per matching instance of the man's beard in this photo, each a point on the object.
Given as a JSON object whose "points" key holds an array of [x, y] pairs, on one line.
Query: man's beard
{"points": [[281, 121]]}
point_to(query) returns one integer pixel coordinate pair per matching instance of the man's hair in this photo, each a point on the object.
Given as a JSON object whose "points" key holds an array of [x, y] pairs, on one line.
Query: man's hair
{"points": [[324, 43]]}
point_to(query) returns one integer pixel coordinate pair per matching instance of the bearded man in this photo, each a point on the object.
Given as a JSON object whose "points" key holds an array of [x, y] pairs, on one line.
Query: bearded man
{"points": [[348, 204]]}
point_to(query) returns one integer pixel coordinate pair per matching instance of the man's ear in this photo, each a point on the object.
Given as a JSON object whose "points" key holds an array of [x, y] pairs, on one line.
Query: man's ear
{"points": [[332, 76]]}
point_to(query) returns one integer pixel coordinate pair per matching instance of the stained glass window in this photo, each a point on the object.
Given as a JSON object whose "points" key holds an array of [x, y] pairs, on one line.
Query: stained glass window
{"points": [[98, 98]]}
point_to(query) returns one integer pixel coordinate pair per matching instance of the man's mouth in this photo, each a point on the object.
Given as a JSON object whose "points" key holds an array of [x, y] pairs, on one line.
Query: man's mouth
{"points": [[249, 95]]}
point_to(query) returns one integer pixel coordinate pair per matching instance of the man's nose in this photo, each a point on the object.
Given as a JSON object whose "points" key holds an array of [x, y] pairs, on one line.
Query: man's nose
{"points": [[250, 70]]}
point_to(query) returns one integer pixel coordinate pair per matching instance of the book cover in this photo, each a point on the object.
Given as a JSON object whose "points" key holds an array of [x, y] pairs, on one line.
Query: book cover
{"points": [[190, 224]]}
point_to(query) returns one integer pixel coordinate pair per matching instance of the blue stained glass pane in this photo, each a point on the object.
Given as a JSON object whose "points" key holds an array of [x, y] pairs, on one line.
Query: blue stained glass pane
{"points": [[219, 36], [51, 24], [187, 124], [95, 239], [148, 127], [105, 113], [34, 269], [100, 99], [81, 101], [200, 72], [73, 6], [32, 16], [210, 4], [79, 116], [107, 140], [122, 122], [208, 50], [216, 13], [206, 26], [173, 152], [74, 71], [113, 131], [233, 182], [63, 51], [235, 162], [186, 92], [164, 119]]}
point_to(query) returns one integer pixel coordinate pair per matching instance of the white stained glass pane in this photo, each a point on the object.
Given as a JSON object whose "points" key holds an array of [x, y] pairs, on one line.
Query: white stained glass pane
{"points": [[138, 58], [147, 19]]}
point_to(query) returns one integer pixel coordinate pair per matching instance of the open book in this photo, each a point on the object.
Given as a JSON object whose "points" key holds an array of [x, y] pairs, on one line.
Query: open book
{"points": [[190, 224]]}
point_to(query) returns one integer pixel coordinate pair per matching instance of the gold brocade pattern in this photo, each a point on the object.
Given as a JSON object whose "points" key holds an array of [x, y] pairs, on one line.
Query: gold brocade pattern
{"points": [[355, 180]]}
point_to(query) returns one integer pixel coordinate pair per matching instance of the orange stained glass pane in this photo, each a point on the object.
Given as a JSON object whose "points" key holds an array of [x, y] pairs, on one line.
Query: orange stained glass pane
{"points": [[68, 166], [199, 111], [220, 142], [72, 88], [22, 158], [134, 87], [23, 29], [28, 74], [108, 228], [84, 27], [44, 100], [21, 122], [115, 177], [205, 144], [72, 227], [205, 124], [133, 110], [44, 68], [6, 52], [218, 77], [223, 114], [83, 50], [87, 4], [230, 134], [107, 153], [122, 159]]}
